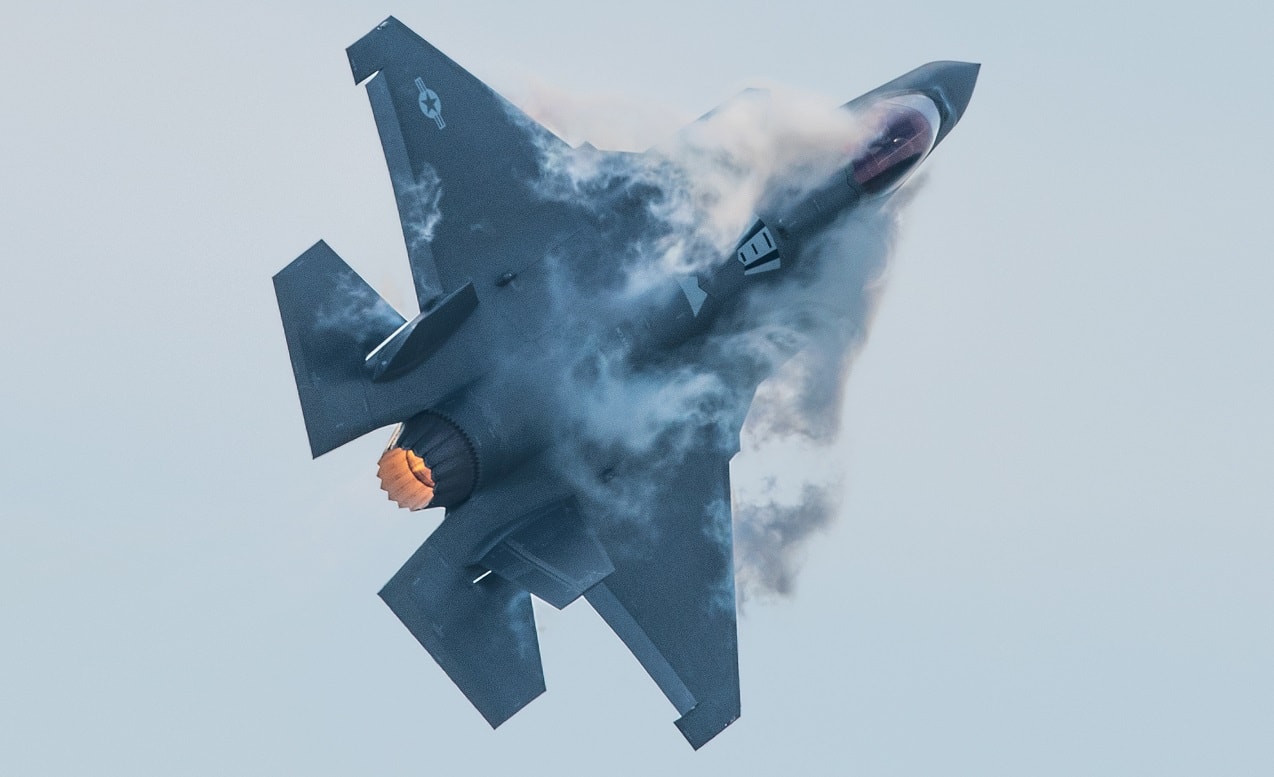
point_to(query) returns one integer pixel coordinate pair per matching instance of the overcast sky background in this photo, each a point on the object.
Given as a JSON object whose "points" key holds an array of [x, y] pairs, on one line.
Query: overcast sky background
{"points": [[1056, 555]]}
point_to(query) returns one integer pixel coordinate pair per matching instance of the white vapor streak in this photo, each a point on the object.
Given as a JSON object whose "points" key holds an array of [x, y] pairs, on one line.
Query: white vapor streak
{"points": [[698, 191]]}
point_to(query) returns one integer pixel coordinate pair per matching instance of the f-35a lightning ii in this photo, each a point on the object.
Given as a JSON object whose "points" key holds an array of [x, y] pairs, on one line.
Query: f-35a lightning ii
{"points": [[527, 314]]}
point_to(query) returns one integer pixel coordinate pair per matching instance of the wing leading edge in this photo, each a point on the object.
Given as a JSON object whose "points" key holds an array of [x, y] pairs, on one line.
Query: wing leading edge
{"points": [[463, 162]]}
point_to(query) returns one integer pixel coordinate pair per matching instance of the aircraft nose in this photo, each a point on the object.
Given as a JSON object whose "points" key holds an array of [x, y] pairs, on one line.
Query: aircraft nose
{"points": [[956, 81], [949, 84]]}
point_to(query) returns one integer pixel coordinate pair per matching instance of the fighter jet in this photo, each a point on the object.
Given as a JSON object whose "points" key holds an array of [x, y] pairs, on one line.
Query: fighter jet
{"points": [[526, 316]]}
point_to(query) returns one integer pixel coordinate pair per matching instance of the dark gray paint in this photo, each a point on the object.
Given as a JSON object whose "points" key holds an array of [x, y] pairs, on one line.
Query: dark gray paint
{"points": [[522, 320]]}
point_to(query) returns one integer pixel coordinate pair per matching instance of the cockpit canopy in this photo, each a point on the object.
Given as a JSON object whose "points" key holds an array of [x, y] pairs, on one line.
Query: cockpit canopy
{"points": [[904, 129]]}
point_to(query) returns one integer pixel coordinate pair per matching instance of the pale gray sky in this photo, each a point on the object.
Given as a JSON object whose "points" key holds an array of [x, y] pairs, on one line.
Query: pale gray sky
{"points": [[1056, 555]]}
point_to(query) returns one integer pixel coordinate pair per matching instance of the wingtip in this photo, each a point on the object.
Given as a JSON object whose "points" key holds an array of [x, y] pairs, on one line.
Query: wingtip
{"points": [[497, 719], [703, 723]]}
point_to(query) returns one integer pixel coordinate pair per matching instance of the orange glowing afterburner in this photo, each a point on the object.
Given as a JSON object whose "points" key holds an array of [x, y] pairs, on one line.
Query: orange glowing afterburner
{"points": [[406, 478], [428, 462]]}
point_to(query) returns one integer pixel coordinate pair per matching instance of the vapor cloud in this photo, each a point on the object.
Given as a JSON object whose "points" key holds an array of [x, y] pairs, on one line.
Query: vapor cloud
{"points": [[788, 480], [693, 195], [419, 200]]}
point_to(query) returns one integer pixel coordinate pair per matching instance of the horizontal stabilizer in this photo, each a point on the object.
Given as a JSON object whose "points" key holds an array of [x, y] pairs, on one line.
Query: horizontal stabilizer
{"points": [[331, 319], [554, 556], [481, 633]]}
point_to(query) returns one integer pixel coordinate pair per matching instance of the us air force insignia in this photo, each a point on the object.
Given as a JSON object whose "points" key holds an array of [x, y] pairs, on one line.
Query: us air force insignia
{"points": [[430, 103]]}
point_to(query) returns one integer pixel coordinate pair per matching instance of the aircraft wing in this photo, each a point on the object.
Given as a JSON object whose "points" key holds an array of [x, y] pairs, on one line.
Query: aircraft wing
{"points": [[671, 598], [463, 162]]}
